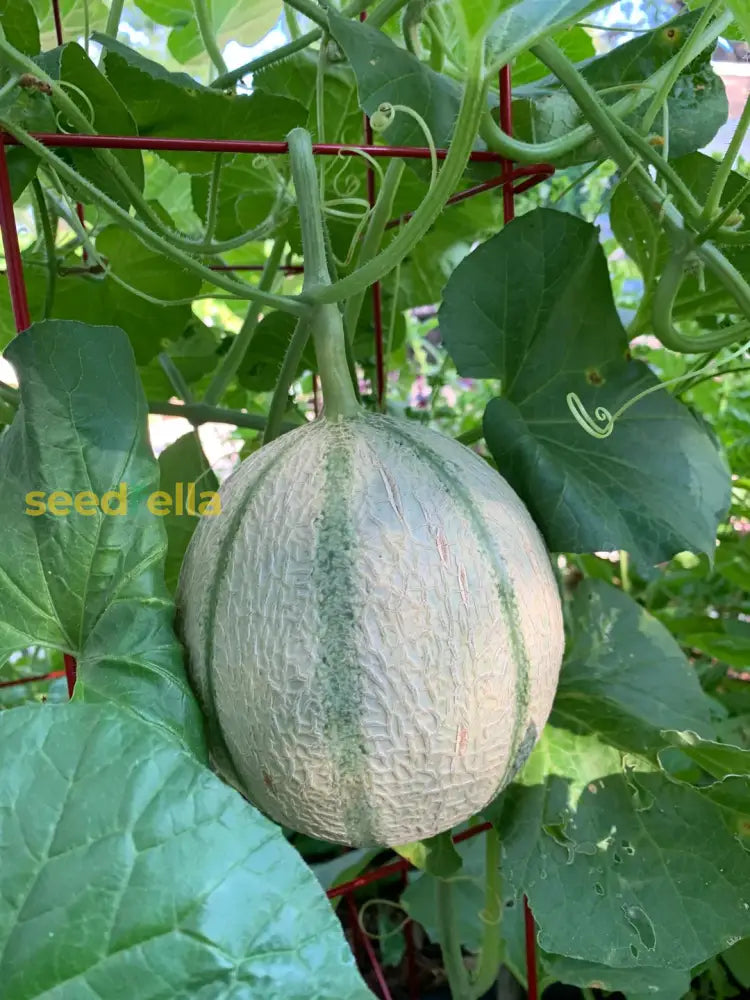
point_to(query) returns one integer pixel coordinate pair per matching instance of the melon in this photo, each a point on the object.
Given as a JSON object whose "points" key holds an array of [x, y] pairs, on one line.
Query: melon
{"points": [[373, 629]]}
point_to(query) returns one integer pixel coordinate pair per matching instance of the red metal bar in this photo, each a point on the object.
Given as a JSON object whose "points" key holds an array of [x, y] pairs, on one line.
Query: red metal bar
{"points": [[13, 262], [269, 148], [506, 124], [532, 990], [367, 945], [58, 21], [31, 680]]}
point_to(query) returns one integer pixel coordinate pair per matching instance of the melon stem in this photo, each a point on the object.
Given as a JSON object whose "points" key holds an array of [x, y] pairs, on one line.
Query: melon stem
{"points": [[326, 324]]}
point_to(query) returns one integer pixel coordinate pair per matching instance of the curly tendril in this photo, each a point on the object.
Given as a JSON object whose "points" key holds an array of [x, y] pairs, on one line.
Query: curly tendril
{"points": [[603, 421], [66, 85], [382, 902], [383, 118]]}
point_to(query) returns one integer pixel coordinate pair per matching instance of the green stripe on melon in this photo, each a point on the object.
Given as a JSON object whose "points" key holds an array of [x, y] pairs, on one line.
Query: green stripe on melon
{"points": [[374, 627]]}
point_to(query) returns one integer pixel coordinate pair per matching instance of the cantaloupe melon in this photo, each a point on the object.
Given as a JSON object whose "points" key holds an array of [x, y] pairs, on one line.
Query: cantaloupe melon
{"points": [[373, 628]]}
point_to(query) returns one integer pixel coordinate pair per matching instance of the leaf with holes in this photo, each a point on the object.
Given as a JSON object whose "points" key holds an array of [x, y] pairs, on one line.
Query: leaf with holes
{"points": [[82, 562], [533, 307], [614, 862], [131, 871]]}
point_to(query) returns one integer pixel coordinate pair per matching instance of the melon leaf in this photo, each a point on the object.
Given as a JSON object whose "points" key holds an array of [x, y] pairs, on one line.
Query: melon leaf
{"points": [[81, 580], [129, 870], [533, 307]]}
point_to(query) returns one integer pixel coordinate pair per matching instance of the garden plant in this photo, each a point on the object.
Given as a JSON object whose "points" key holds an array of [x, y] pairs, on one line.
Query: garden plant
{"points": [[444, 691]]}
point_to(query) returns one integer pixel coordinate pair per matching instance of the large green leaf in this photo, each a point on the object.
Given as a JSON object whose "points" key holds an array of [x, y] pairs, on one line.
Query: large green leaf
{"points": [[623, 869], [100, 299], [721, 760], [130, 871], [527, 21], [105, 106], [187, 479], [625, 678], [533, 306], [163, 105], [84, 573]]}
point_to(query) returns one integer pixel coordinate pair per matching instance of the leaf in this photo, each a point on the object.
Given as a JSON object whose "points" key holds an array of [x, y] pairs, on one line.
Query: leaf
{"points": [[635, 870], [575, 42], [73, 577], [387, 73], [260, 367], [18, 21], [533, 306], [131, 870], [243, 23], [524, 23], [105, 106], [436, 855], [184, 472], [75, 18], [731, 646], [248, 194], [99, 299], [468, 896], [738, 956], [719, 759], [624, 678], [163, 105], [661, 984]]}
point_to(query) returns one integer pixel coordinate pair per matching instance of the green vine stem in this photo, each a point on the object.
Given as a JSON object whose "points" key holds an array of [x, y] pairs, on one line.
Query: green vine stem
{"points": [[715, 230], [625, 571], [379, 16], [199, 413], [45, 222], [206, 31], [289, 366], [176, 379], [471, 436], [212, 207], [372, 239], [724, 169], [618, 149], [491, 950], [236, 353], [113, 18], [310, 10], [555, 149], [467, 123], [241, 289], [450, 944], [9, 394], [325, 318], [678, 64]]}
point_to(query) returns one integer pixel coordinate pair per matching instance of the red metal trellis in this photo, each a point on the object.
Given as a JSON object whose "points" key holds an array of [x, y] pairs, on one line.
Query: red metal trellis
{"points": [[512, 180]]}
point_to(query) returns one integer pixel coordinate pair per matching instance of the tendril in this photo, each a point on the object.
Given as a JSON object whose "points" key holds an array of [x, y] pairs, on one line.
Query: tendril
{"points": [[603, 422], [386, 934], [65, 84], [384, 117]]}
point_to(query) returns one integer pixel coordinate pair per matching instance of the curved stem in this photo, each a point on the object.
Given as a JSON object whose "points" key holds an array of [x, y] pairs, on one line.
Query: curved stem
{"points": [[678, 64], [310, 10], [289, 366], [472, 104], [716, 191], [212, 208], [555, 149], [49, 244], [176, 379], [199, 413], [491, 950], [671, 219], [450, 945], [206, 31], [381, 213], [325, 319], [715, 230], [236, 353], [239, 288]]}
